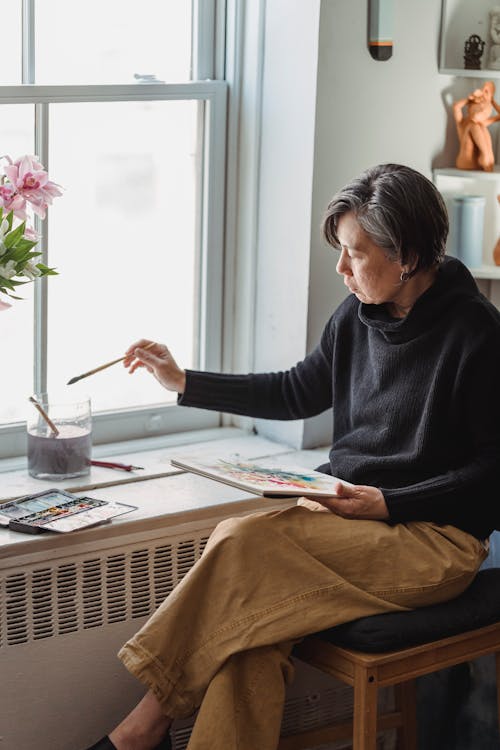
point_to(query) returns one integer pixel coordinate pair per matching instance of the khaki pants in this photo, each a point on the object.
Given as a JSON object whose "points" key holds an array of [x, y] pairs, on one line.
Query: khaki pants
{"points": [[221, 641]]}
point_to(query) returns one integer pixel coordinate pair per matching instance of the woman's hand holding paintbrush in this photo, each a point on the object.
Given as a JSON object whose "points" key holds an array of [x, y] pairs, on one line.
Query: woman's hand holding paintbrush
{"points": [[156, 358]]}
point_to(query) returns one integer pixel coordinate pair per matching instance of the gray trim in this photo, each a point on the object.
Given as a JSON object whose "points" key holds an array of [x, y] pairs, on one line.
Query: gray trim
{"points": [[203, 35], [213, 233], [27, 94], [41, 285], [28, 41], [108, 427]]}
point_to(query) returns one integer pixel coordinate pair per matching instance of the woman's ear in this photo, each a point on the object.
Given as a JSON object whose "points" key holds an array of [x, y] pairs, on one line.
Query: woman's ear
{"points": [[405, 275]]}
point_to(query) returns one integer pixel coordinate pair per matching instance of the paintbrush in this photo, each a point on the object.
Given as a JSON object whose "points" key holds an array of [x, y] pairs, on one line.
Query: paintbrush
{"points": [[55, 431], [103, 367]]}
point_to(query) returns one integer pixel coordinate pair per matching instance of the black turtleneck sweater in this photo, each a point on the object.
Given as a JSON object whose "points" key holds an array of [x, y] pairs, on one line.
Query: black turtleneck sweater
{"points": [[416, 401]]}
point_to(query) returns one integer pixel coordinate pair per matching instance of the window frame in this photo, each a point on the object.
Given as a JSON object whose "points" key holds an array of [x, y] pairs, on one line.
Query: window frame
{"points": [[156, 419]]}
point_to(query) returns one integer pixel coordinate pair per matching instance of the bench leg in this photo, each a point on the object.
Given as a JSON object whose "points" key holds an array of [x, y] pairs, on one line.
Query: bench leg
{"points": [[406, 702], [497, 659], [365, 709]]}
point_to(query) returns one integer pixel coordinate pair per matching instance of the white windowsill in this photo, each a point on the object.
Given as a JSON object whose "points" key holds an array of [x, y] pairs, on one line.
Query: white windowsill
{"points": [[162, 493], [151, 453]]}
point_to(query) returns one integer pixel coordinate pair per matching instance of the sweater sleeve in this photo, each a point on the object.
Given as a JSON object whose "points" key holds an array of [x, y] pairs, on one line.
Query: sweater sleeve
{"points": [[471, 488], [302, 391]]}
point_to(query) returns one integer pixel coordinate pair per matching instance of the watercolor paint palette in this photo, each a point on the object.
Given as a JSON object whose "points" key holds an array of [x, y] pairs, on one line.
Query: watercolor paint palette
{"points": [[58, 510]]}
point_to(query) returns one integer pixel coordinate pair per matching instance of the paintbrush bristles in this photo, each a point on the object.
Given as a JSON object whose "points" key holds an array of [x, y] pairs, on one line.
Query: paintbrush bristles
{"points": [[103, 367], [75, 380]]}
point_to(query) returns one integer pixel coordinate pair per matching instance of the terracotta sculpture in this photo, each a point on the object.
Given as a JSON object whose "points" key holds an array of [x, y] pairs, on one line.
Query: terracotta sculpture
{"points": [[496, 249], [494, 53], [476, 150]]}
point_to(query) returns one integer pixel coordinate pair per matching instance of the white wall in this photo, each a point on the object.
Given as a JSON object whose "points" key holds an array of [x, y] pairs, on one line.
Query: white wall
{"points": [[363, 112], [285, 191]]}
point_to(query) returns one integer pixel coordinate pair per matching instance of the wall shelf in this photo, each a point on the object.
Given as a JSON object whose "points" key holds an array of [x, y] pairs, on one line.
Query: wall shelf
{"points": [[460, 19], [486, 272], [468, 173], [452, 182], [467, 73]]}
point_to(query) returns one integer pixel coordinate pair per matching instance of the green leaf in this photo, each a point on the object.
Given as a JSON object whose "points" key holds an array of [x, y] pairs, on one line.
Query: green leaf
{"points": [[25, 244], [14, 236], [9, 294], [10, 283], [10, 218], [21, 255], [46, 270]]}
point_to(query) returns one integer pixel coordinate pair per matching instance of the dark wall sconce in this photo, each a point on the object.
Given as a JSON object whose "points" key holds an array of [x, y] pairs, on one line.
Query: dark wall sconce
{"points": [[380, 28]]}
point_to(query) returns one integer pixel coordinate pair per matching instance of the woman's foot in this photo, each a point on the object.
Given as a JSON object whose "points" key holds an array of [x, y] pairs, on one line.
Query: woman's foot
{"points": [[145, 728]]}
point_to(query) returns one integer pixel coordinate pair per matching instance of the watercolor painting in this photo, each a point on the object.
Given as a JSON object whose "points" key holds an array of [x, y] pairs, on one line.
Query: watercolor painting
{"points": [[272, 481]]}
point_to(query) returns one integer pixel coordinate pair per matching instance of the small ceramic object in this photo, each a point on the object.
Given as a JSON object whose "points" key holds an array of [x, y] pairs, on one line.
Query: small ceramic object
{"points": [[496, 249], [466, 234], [494, 51], [473, 51], [476, 150]]}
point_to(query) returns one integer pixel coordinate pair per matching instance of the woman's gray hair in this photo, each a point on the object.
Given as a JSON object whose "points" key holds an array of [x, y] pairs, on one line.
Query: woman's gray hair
{"points": [[399, 209]]}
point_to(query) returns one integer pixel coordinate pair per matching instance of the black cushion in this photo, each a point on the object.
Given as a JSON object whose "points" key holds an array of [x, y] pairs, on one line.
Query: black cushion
{"points": [[478, 606]]}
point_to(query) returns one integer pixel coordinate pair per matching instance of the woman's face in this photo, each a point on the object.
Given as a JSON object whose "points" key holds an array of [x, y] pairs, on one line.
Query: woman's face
{"points": [[367, 270]]}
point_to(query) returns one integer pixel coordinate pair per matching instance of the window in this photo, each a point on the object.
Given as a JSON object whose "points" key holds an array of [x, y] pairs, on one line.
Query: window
{"points": [[125, 112]]}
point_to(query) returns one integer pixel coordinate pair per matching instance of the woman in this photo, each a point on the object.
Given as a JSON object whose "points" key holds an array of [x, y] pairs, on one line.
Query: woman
{"points": [[408, 362]]}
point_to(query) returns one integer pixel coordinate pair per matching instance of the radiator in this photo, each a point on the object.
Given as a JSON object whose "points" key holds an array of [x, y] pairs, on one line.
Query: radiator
{"points": [[63, 617]]}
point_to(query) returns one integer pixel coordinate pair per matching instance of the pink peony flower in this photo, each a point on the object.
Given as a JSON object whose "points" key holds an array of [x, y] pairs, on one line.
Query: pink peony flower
{"points": [[32, 183], [25, 189], [11, 200]]}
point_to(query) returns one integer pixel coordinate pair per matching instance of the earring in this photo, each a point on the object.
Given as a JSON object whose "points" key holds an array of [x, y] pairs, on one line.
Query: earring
{"points": [[404, 276]]}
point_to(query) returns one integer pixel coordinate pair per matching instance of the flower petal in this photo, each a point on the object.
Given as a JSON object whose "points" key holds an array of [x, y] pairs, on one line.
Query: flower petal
{"points": [[12, 173]]}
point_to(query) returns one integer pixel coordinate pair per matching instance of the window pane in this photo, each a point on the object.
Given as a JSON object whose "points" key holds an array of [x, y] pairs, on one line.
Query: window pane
{"points": [[123, 238], [16, 371], [17, 136], [112, 41], [16, 324], [11, 46]]}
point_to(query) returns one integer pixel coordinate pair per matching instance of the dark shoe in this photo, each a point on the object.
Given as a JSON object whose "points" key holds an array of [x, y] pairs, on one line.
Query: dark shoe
{"points": [[166, 743], [106, 744]]}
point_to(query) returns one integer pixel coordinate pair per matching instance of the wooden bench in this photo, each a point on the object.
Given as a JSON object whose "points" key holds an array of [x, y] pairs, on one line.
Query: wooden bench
{"points": [[423, 641]]}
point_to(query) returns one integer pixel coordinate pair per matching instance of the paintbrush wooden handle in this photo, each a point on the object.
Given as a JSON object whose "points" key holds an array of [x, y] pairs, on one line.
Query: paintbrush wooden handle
{"points": [[103, 367], [96, 369], [44, 415]]}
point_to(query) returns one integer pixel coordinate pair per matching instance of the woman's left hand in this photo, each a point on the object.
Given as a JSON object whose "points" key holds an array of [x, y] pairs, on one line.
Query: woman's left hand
{"points": [[355, 501]]}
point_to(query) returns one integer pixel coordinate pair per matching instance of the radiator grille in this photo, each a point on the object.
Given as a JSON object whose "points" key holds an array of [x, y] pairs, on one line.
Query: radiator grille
{"points": [[16, 609], [43, 603], [91, 591], [67, 610]]}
